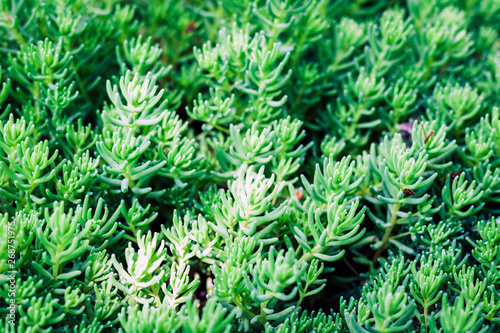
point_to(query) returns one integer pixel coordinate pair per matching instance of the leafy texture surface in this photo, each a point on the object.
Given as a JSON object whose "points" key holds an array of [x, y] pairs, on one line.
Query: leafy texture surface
{"points": [[250, 166]]}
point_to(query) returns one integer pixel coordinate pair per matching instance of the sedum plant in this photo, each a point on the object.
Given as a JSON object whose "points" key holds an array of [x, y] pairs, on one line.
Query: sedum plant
{"points": [[270, 166]]}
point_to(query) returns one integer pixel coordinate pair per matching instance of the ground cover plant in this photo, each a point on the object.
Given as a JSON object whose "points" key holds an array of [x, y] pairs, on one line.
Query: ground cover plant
{"points": [[250, 166]]}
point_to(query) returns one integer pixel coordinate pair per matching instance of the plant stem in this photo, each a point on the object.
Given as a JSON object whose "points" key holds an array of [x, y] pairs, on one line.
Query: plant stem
{"points": [[387, 234]]}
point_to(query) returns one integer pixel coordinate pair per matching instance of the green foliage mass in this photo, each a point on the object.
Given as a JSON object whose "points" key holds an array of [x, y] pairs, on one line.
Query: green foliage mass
{"points": [[250, 166]]}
